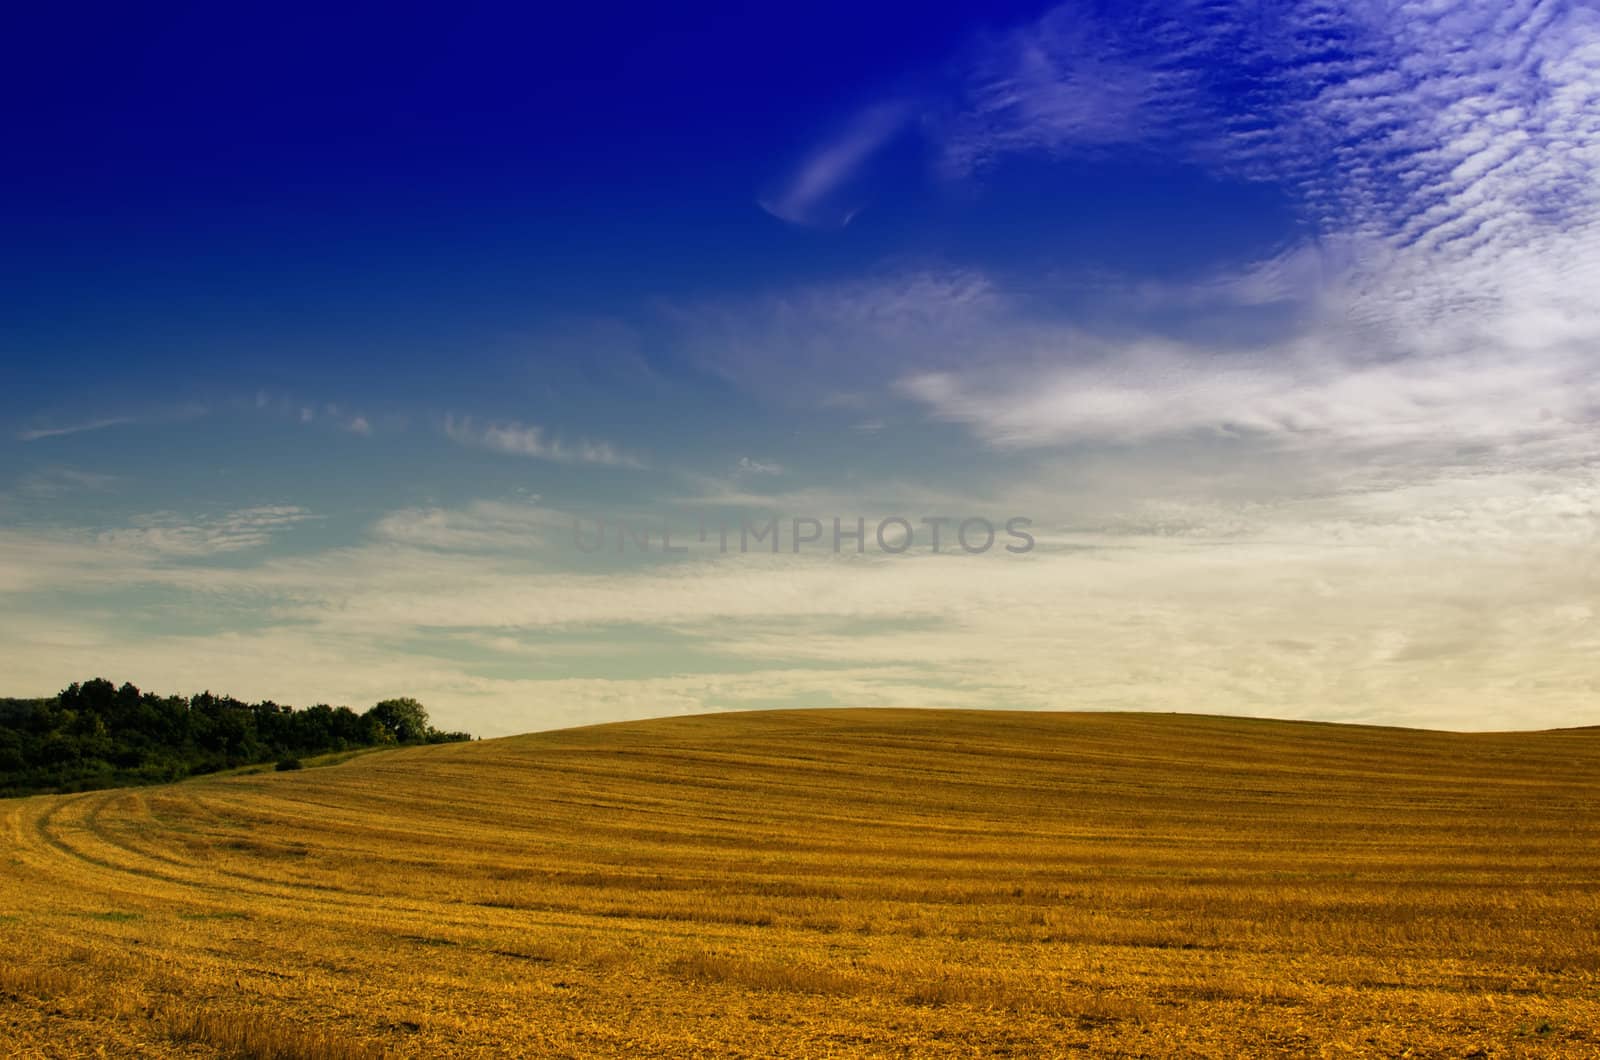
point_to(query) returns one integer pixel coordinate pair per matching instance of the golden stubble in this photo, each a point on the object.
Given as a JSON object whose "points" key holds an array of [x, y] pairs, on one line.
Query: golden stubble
{"points": [[829, 883]]}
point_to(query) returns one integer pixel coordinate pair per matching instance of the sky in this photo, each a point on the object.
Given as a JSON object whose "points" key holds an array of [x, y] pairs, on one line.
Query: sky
{"points": [[333, 341]]}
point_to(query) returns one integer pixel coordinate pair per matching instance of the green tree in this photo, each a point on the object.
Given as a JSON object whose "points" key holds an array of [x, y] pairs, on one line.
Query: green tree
{"points": [[404, 719]]}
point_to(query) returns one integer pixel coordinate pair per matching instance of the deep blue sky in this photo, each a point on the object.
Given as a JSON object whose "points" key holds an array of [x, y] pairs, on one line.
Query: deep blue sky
{"points": [[214, 196], [318, 327]]}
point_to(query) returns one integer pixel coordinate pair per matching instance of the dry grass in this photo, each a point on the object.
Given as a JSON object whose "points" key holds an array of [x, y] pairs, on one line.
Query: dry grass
{"points": [[831, 883]]}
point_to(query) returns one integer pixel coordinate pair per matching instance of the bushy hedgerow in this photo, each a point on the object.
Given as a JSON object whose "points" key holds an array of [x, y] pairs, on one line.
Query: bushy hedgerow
{"points": [[97, 734]]}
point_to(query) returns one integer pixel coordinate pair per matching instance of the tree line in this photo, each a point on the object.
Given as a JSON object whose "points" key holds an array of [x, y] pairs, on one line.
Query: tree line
{"points": [[97, 734]]}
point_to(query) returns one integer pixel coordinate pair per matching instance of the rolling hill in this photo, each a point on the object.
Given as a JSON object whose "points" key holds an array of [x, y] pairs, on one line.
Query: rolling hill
{"points": [[829, 883]]}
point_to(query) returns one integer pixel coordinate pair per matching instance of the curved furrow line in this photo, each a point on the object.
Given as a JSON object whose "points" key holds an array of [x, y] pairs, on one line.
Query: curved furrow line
{"points": [[194, 889]]}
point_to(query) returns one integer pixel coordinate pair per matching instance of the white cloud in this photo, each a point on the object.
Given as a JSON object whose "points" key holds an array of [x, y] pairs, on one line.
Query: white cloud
{"points": [[36, 433], [167, 414], [1320, 400], [1447, 156], [527, 440], [1063, 83], [811, 195], [1462, 602], [171, 534], [53, 482], [747, 466], [290, 407], [826, 344], [484, 526]]}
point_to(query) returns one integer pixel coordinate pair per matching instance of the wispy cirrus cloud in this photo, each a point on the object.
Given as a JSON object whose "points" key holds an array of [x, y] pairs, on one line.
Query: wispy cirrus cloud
{"points": [[52, 482], [532, 441], [34, 434], [311, 412], [143, 416], [1445, 160], [172, 534], [817, 192], [481, 527], [1069, 82], [1445, 151], [807, 343]]}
